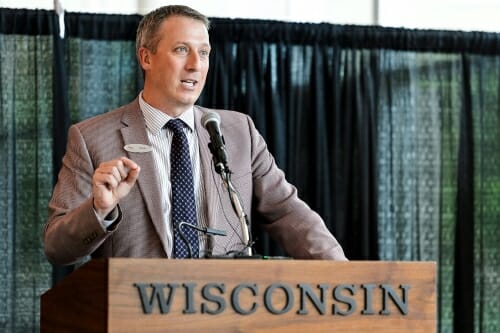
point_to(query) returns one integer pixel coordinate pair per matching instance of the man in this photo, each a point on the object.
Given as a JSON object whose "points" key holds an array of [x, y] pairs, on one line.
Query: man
{"points": [[117, 196]]}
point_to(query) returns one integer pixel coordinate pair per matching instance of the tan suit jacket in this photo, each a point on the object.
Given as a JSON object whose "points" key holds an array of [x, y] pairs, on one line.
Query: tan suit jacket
{"points": [[73, 232]]}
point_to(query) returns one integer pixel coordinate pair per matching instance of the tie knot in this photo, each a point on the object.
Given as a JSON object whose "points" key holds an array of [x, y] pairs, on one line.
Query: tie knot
{"points": [[175, 125]]}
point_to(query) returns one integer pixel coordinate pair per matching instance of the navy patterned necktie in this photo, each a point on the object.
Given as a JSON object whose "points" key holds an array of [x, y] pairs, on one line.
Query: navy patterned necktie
{"points": [[183, 202]]}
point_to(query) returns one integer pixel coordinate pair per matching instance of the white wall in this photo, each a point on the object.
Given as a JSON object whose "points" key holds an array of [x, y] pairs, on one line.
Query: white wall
{"points": [[481, 15]]}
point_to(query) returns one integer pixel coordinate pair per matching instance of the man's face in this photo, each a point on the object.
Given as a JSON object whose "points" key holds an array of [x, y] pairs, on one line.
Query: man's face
{"points": [[176, 72]]}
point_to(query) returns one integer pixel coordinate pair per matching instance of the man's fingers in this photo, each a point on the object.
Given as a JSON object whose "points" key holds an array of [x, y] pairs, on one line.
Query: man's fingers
{"points": [[107, 179], [133, 175], [112, 181], [112, 173], [128, 163], [119, 168], [105, 173], [133, 170]]}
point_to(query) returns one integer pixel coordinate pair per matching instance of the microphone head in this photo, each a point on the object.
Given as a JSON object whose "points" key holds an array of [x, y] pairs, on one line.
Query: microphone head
{"points": [[209, 117]]}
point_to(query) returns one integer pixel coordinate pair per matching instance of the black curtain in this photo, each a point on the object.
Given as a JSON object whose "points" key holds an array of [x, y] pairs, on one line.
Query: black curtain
{"points": [[321, 122]]}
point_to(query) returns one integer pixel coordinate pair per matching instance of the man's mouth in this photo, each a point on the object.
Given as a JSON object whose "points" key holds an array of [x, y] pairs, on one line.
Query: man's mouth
{"points": [[189, 83]]}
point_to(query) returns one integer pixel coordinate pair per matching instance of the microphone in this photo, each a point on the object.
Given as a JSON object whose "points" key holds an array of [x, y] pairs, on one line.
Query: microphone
{"points": [[207, 231], [211, 122]]}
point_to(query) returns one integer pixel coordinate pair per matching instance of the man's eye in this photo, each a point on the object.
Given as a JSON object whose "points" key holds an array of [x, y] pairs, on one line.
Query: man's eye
{"points": [[181, 49]]}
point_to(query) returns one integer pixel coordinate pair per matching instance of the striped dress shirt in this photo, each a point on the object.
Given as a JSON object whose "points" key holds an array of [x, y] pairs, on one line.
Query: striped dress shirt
{"points": [[160, 139]]}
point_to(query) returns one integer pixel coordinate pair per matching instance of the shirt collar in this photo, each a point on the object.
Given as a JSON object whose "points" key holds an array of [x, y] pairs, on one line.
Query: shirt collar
{"points": [[156, 119]]}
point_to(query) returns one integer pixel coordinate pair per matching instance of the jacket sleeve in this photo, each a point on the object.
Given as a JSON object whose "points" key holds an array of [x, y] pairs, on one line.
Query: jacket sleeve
{"points": [[290, 221], [72, 230]]}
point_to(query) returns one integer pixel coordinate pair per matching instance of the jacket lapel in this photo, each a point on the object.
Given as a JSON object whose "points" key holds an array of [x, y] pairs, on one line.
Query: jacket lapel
{"points": [[135, 133]]}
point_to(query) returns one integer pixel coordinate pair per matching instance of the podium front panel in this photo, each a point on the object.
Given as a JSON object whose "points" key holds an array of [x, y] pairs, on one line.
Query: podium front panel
{"points": [[270, 296]]}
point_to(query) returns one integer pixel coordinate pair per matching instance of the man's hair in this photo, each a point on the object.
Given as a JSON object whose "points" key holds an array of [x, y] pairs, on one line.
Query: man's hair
{"points": [[148, 27]]}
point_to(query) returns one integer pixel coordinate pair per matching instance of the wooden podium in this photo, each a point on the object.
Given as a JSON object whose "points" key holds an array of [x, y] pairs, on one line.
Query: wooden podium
{"points": [[244, 295]]}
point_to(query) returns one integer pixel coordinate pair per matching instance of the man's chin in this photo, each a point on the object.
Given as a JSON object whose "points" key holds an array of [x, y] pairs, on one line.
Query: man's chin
{"points": [[189, 99]]}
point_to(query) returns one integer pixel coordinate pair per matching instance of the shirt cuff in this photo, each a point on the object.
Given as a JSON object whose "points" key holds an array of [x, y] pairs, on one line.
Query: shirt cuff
{"points": [[111, 220]]}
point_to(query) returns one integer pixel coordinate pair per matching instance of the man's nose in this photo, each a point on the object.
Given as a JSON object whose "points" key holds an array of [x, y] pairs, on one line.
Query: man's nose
{"points": [[193, 62]]}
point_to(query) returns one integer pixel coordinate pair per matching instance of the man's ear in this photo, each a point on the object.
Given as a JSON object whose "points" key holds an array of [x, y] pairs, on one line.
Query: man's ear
{"points": [[144, 57]]}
